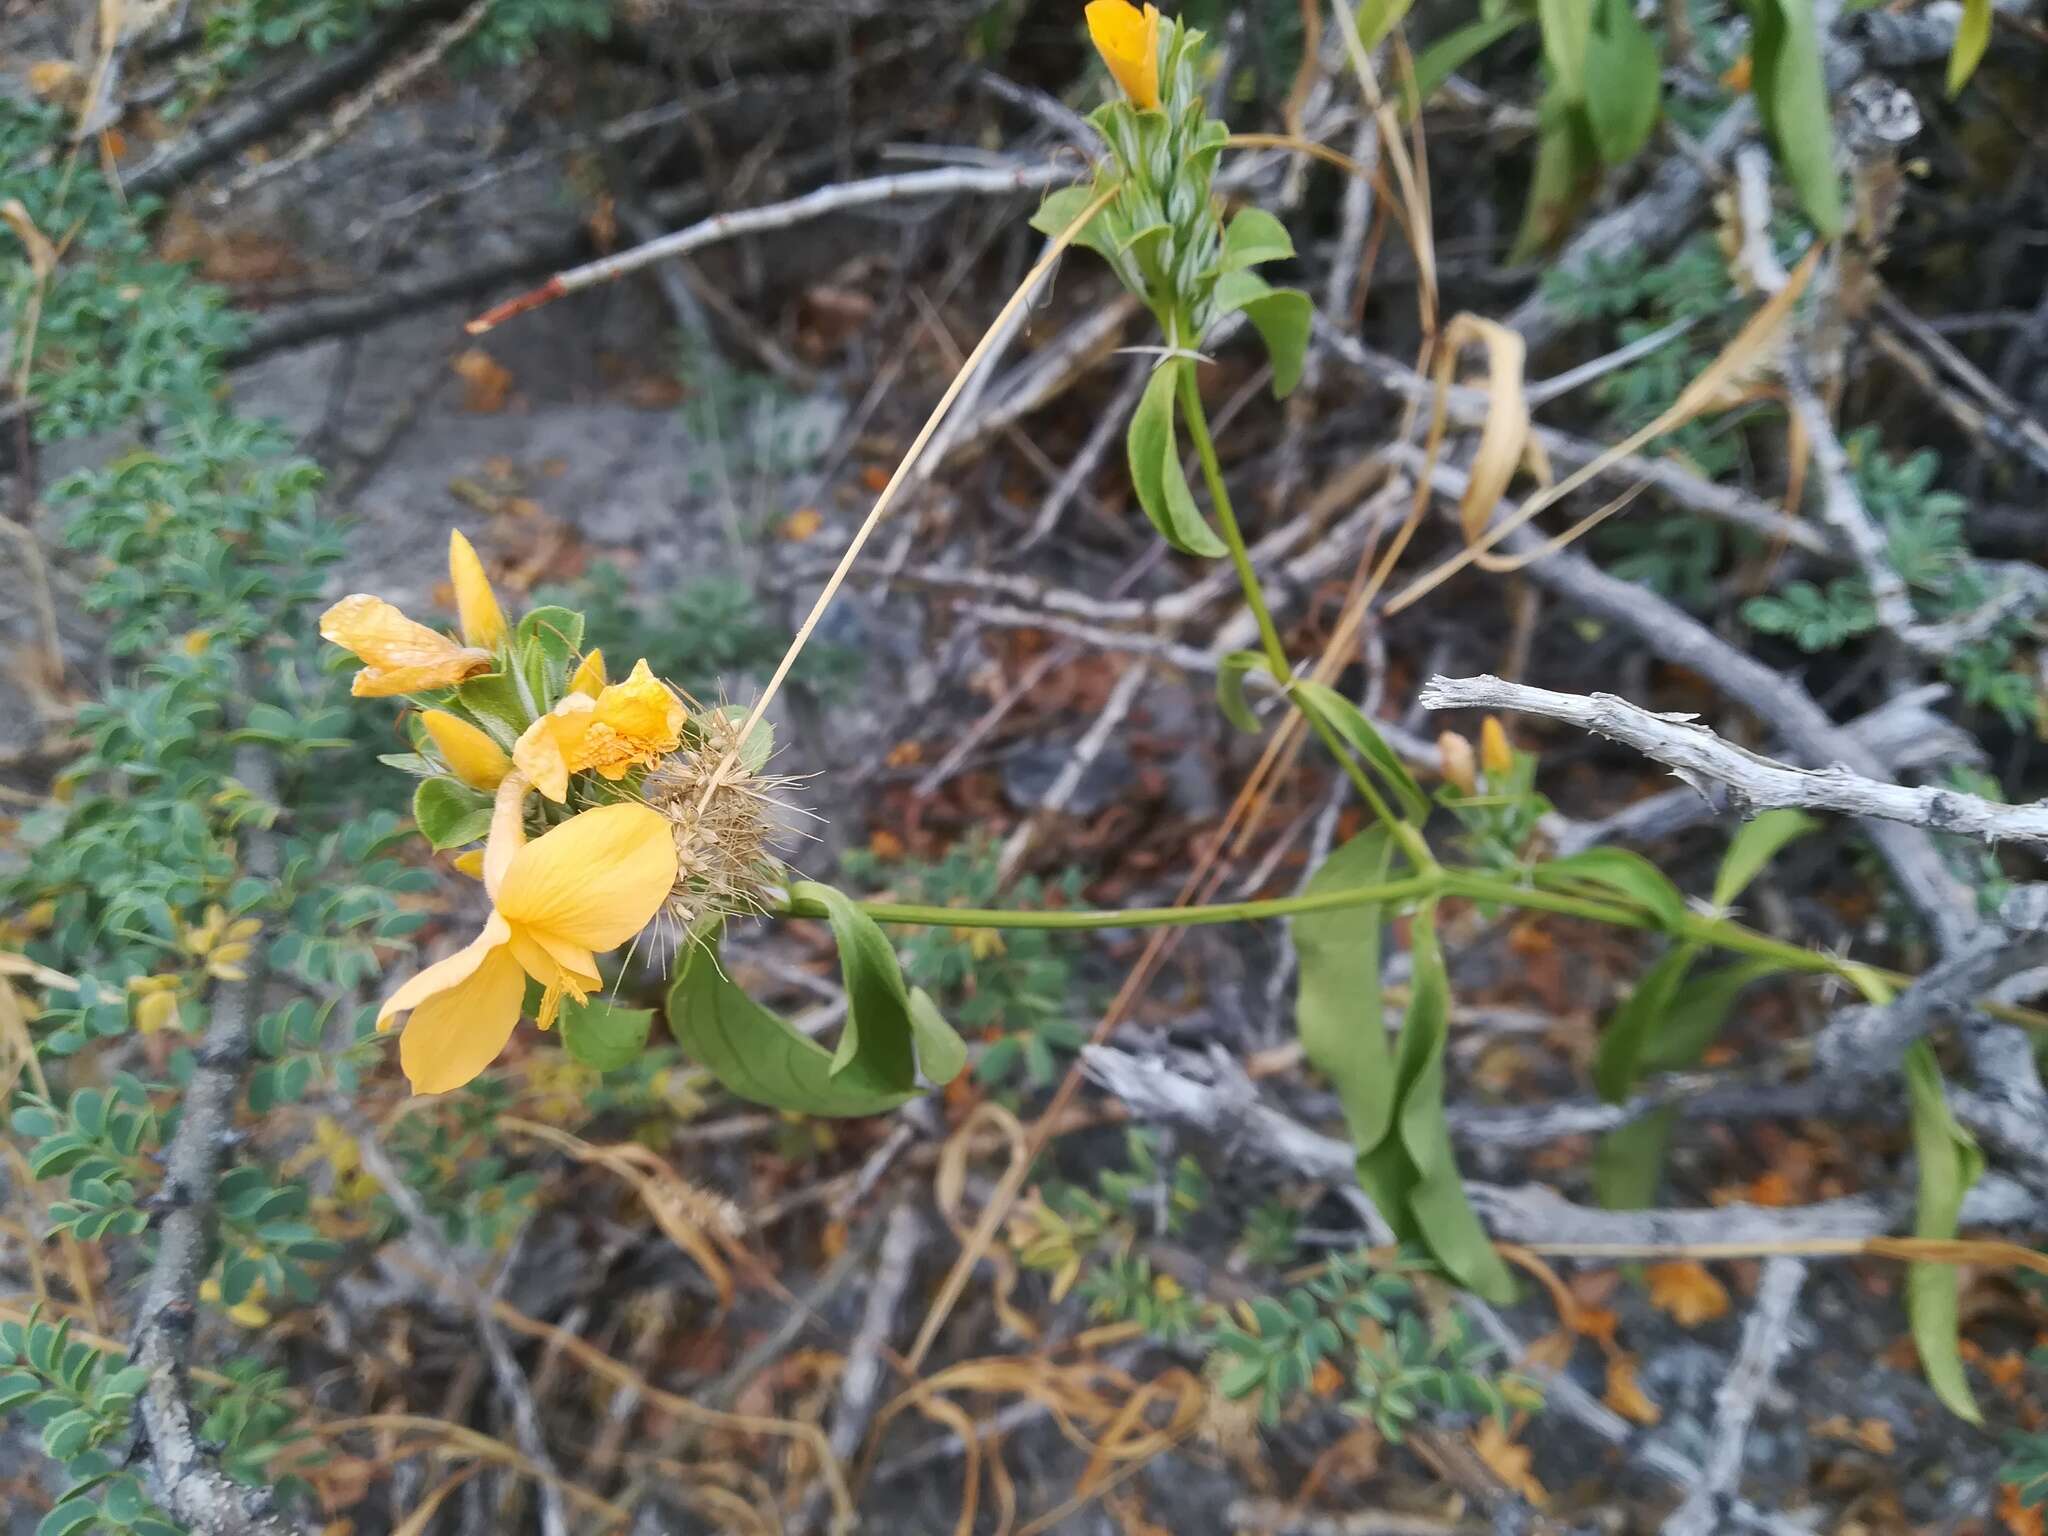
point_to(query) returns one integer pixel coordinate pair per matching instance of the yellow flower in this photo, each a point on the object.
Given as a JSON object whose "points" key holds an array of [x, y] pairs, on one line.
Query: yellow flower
{"points": [[589, 676], [590, 884], [470, 754], [1128, 40], [398, 655], [627, 724], [1456, 753], [223, 945], [156, 1002], [471, 863], [1495, 755], [247, 1311], [483, 621]]}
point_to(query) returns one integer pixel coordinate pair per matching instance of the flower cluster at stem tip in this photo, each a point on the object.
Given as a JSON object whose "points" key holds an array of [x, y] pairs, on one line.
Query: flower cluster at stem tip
{"points": [[505, 712]]}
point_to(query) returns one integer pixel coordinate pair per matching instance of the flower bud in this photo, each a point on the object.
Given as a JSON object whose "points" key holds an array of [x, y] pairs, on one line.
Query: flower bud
{"points": [[1459, 769], [1495, 755]]}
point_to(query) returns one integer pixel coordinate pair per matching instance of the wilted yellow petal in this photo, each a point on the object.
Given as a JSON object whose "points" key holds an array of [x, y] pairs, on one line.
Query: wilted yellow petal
{"points": [[398, 655], [1128, 40], [483, 621], [551, 748], [445, 975], [456, 1033], [589, 678], [594, 881], [470, 754]]}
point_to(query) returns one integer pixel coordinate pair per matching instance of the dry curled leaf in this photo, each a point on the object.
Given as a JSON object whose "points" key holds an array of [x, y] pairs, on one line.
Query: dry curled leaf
{"points": [[486, 382], [1624, 1395], [1508, 1461], [42, 256], [1688, 1291]]}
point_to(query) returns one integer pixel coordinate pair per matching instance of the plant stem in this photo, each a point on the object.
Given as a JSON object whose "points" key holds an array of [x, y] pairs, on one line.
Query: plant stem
{"points": [[1410, 840], [1135, 917]]}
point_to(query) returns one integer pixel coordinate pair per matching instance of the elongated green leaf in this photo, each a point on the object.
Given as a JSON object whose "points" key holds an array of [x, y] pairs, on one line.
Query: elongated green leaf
{"points": [[601, 1034], [1629, 1161], [450, 814], [1377, 18], [1447, 1225], [1337, 1007], [1753, 847], [1567, 27], [1973, 36], [1567, 170], [1281, 316], [1455, 49], [877, 1002], [941, 1053], [1792, 99], [1628, 1164], [1616, 869], [1230, 689], [1618, 1060], [1344, 717], [1155, 468], [1624, 81], [755, 1054], [1255, 236], [1949, 1163]]}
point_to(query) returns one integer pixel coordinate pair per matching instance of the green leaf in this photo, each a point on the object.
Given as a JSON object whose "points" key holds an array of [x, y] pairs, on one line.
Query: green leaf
{"points": [[877, 1003], [1628, 1163], [941, 1053], [1624, 81], [1567, 27], [1378, 18], [1628, 874], [1337, 1006], [1343, 717], [1949, 1163], [1567, 170], [1282, 317], [1230, 688], [1255, 236], [1792, 99], [67, 1434], [1973, 36], [1451, 52], [603, 1035], [450, 814], [754, 1052], [1618, 1059], [1753, 847], [1061, 207], [68, 1517], [760, 743], [1446, 1223], [1155, 468]]}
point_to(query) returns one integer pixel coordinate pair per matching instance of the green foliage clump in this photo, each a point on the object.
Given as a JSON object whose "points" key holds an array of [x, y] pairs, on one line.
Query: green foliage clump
{"points": [[1924, 534], [1016, 982]]}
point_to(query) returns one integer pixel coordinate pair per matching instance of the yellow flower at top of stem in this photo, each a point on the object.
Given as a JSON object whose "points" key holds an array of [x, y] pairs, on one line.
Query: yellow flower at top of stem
{"points": [[1128, 40], [626, 725], [470, 754], [589, 885]]}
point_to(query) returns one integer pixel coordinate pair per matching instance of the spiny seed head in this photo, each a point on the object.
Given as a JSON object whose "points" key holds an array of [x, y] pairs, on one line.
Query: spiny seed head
{"points": [[725, 819]]}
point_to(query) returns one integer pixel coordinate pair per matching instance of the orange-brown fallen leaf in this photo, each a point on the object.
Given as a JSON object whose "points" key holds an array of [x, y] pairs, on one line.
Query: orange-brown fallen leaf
{"points": [[802, 524], [1508, 1461], [2017, 1518], [1624, 1395], [486, 382], [1688, 1291], [1871, 1434]]}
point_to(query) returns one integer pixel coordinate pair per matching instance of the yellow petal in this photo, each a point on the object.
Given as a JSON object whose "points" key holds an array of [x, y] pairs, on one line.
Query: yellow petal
{"points": [[470, 754], [444, 975], [471, 863], [455, 1034], [594, 881], [552, 748], [398, 655], [1128, 40], [554, 961], [483, 621], [589, 676]]}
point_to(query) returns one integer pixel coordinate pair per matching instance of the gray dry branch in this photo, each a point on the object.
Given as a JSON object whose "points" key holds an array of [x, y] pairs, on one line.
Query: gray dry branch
{"points": [[184, 1478], [1755, 783]]}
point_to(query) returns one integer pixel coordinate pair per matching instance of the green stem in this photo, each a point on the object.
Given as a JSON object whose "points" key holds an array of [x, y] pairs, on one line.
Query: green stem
{"points": [[1135, 917], [1408, 837]]}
